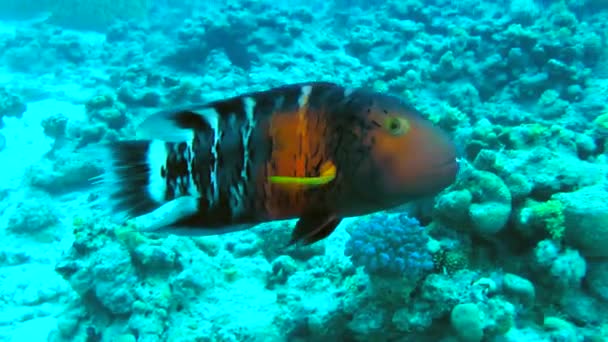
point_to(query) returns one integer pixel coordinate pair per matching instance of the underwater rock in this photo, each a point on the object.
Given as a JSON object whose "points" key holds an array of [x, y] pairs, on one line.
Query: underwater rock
{"points": [[210, 245], [597, 279], [113, 279], [551, 106], [32, 216], [55, 126], [10, 105], [130, 96], [490, 202], [531, 84], [441, 292], [586, 219], [560, 329], [67, 323], [524, 11], [282, 267], [154, 258], [519, 286], [545, 252], [564, 269], [467, 321], [499, 316], [582, 308], [489, 218], [14, 257], [2, 142], [519, 186], [65, 173], [367, 321], [243, 245], [106, 109], [456, 203], [570, 268]]}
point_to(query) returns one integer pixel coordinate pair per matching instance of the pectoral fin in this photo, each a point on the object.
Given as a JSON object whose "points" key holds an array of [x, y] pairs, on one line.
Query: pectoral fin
{"points": [[314, 227]]}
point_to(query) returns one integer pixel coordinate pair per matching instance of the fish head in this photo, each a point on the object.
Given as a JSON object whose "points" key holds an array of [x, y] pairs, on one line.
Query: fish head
{"points": [[403, 156]]}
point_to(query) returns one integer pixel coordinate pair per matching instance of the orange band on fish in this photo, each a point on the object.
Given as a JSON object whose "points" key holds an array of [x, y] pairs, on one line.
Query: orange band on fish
{"points": [[328, 174]]}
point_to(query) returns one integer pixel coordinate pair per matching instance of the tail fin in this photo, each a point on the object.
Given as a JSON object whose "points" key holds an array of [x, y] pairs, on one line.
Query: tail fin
{"points": [[131, 183]]}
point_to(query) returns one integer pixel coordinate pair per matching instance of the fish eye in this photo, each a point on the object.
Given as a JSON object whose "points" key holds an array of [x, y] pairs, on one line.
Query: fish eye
{"points": [[396, 125]]}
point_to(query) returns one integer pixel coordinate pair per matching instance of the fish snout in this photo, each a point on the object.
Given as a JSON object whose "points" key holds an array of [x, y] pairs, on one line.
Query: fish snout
{"points": [[428, 161]]}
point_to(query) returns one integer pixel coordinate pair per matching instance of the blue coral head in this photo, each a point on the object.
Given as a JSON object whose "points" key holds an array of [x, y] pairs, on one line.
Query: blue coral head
{"points": [[389, 245]]}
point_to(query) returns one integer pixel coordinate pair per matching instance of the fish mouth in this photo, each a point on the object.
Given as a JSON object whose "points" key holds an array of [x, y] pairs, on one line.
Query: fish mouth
{"points": [[448, 162], [436, 178], [443, 173], [447, 165]]}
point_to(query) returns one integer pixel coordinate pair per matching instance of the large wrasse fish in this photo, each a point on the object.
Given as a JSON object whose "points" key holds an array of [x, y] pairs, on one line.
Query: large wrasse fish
{"points": [[315, 151]]}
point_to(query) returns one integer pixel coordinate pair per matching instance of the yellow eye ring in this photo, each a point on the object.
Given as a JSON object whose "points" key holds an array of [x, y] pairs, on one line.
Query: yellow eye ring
{"points": [[397, 125]]}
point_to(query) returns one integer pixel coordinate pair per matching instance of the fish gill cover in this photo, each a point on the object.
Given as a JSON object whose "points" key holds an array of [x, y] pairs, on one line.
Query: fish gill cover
{"points": [[514, 250]]}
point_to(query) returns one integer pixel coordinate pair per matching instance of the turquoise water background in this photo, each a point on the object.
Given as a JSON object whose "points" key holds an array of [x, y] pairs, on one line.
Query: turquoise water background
{"points": [[515, 250]]}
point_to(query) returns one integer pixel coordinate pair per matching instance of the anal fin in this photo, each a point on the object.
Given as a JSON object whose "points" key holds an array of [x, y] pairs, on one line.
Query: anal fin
{"points": [[314, 227]]}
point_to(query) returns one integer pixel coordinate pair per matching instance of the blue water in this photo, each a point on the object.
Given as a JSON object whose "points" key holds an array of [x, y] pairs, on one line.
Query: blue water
{"points": [[516, 249]]}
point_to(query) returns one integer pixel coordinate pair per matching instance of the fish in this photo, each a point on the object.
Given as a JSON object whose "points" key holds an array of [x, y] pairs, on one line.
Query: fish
{"points": [[317, 152]]}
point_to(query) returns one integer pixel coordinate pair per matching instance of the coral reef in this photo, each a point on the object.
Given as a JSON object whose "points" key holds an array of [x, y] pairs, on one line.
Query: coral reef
{"points": [[10, 105], [514, 250], [479, 199], [34, 215], [585, 219]]}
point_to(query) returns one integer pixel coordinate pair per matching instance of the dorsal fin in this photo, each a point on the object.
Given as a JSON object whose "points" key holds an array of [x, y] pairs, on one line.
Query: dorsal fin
{"points": [[178, 125]]}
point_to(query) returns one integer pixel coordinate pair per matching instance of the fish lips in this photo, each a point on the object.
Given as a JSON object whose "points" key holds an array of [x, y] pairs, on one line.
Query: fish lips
{"points": [[446, 172], [437, 178]]}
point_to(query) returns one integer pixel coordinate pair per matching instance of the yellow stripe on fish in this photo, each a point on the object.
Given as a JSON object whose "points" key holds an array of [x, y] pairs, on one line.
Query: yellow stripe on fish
{"points": [[328, 175]]}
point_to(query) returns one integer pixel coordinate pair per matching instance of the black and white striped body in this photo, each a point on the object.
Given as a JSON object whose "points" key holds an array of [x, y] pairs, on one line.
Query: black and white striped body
{"points": [[214, 164], [214, 155]]}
